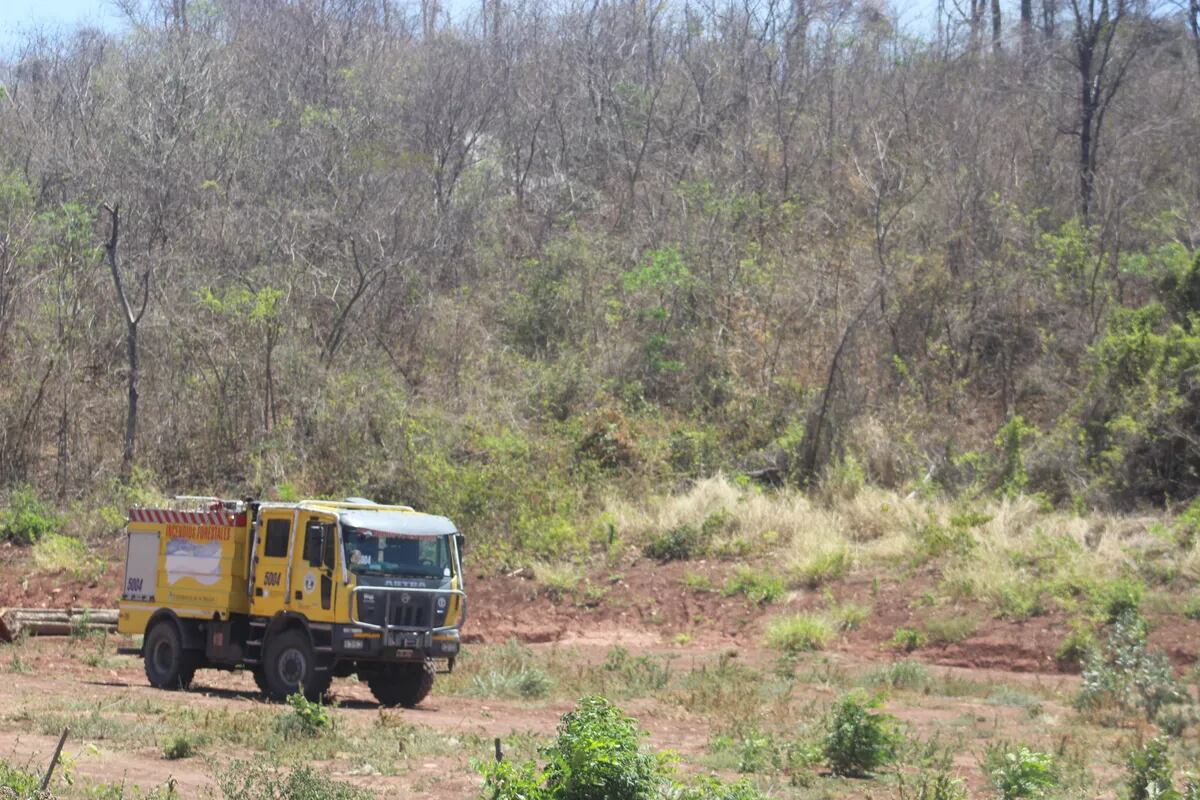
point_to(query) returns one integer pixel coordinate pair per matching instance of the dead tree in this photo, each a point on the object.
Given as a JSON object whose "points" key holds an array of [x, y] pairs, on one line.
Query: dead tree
{"points": [[132, 320]]}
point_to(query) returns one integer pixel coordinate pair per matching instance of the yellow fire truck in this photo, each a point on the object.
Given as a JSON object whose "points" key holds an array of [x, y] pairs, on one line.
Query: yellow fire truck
{"points": [[298, 593]]}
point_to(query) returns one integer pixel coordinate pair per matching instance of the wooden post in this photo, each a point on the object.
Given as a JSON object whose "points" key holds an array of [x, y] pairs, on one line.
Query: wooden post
{"points": [[57, 752], [499, 750]]}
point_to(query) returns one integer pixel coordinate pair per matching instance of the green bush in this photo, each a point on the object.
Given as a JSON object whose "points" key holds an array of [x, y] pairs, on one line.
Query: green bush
{"points": [[1150, 772], [20, 783], [859, 739], [797, 633], [908, 639], [1124, 674], [710, 788], [305, 719], [1021, 775], [1119, 597], [180, 746], [27, 519], [597, 754], [950, 628], [758, 586], [1076, 646], [681, 543]]}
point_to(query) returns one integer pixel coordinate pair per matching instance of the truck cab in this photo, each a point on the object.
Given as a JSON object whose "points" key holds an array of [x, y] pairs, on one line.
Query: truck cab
{"points": [[297, 593]]}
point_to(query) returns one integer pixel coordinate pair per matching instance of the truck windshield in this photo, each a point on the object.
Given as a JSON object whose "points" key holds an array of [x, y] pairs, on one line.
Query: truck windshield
{"points": [[379, 553]]}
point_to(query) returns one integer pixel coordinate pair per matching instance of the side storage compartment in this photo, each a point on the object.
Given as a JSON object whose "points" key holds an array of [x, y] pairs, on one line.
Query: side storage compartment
{"points": [[141, 567]]}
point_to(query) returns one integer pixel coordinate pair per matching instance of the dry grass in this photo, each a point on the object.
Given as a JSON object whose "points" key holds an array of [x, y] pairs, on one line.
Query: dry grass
{"points": [[999, 543]]}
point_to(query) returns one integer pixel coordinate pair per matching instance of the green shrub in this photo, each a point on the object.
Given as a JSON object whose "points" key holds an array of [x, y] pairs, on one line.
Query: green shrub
{"points": [[180, 746], [636, 674], [20, 783], [848, 616], [681, 543], [908, 639], [859, 739], [27, 519], [598, 754], [934, 541], [305, 719], [1022, 774], [1150, 771], [1191, 608], [1126, 675], [1120, 597], [1076, 646], [797, 633], [758, 586]]}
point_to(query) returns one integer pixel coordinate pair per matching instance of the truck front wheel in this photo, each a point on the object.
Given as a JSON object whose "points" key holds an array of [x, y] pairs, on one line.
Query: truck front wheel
{"points": [[289, 667], [401, 684], [168, 665]]}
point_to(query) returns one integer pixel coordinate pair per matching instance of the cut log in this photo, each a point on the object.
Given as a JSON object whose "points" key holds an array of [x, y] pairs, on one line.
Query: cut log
{"points": [[54, 621]]}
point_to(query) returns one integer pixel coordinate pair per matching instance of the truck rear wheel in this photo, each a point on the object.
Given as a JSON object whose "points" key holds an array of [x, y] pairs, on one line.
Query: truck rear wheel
{"points": [[402, 684], [168, 665], [290, 666]]}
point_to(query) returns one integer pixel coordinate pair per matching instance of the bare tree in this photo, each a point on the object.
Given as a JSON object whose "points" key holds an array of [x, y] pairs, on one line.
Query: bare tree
{"points": [[132, 320]]}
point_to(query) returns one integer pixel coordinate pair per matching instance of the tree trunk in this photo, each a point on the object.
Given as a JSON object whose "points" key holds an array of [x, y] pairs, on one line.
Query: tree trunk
{"points": [[132, 320], [1194, 25], [1049, 16], [1026, 28], [997, 30]]}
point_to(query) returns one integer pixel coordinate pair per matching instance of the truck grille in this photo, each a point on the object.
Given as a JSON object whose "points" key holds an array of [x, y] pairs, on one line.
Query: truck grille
{"points": [[412, 615]]}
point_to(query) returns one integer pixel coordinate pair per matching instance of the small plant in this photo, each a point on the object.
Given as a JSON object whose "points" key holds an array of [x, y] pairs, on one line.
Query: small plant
{"points": [[1120, 597], [305, 719], [18, 783], [1150, 771], [848, 616], [859, 739], [1191, 609], [797, 633], [1076, 646], [759, 587], [908, 639], [824, 568], [259, 780], [179, 747], [680, 543], [931, 784], [559, 581], [27, 519], [698, 582], [1022, 774]]}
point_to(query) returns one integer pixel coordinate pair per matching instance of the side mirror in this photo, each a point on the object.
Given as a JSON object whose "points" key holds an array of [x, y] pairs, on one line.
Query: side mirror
{"points": [[461, 542]]}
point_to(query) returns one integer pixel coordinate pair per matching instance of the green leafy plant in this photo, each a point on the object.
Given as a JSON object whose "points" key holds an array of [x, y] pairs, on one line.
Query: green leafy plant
{"points": [[859, 739], [680, 543], [908, 639], [758, 586], [1150, 772], [27, 519], [824, 567], [180, 746], [263, 780], [306, 718], [1125, 674], [900, 675], [1021, 774]]}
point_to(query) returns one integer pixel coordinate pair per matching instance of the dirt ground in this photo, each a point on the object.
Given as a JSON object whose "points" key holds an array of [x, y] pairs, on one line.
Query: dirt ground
{"points": [[999, 684]]}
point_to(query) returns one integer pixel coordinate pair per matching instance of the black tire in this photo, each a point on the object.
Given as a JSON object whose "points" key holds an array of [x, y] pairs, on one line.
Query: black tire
{"points": [[289, 664], [402, 684], [168, 665], [260, 678]]}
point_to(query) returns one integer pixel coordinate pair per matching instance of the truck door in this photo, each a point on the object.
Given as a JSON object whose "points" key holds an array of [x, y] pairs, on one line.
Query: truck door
{"points": [[274, 545], [314, 586]]}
